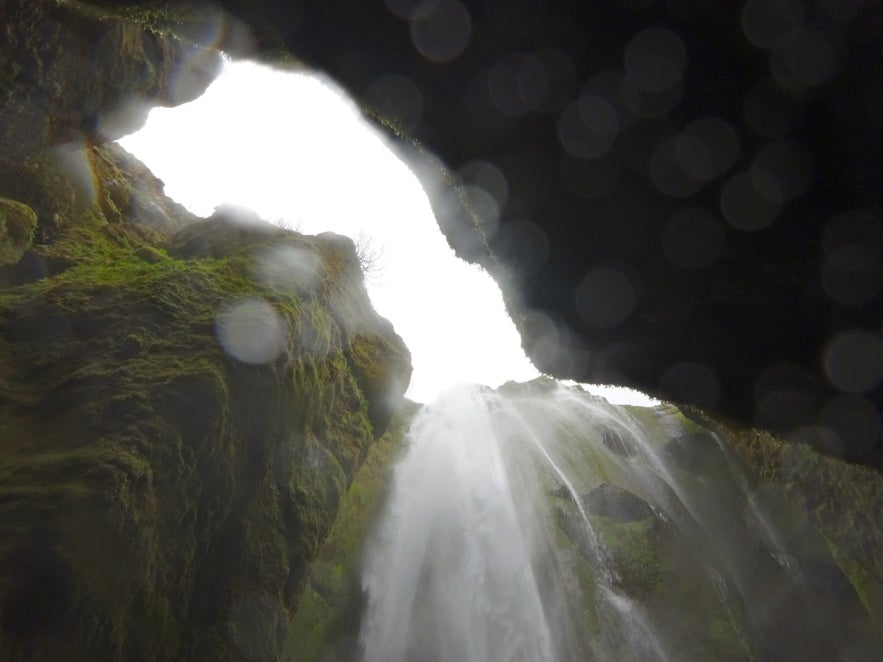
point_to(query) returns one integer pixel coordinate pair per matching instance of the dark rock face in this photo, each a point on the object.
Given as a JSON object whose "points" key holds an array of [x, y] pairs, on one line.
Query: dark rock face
{"points": [[688, 192], [617, 504], [695, 452], [178, 428], [618, 443], [90, 71], [681, 197]]}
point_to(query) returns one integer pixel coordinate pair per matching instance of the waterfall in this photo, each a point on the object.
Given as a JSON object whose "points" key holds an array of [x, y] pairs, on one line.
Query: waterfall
{"points": [[539, 522]]}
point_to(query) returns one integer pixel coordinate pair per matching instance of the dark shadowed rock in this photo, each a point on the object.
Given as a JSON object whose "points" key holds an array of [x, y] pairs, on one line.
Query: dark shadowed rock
{"points": [[689, 198], [689, 228], [177, 434], [617, 504], [694, 451], [619, 443]]}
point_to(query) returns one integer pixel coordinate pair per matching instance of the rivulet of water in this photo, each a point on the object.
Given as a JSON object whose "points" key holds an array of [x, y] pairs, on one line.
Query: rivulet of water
{"points": [[542, 523]]}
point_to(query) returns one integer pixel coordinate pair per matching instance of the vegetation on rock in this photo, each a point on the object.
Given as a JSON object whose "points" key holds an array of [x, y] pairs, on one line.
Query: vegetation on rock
{"points": [[161, 494]]}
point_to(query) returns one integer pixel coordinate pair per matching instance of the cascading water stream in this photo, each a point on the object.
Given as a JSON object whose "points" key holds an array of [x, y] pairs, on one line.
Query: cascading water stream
{"points": [[542, 523], [454, 569], [452, 575]]}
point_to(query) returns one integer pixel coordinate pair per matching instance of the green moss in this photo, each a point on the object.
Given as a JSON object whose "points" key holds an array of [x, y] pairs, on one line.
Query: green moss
{"points": [[325, 626], [840, 500], [17, 225], [634, 548], [168, 483]]}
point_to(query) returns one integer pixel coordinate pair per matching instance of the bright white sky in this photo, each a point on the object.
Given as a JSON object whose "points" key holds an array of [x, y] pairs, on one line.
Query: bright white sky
{"points": [[294, 150]]}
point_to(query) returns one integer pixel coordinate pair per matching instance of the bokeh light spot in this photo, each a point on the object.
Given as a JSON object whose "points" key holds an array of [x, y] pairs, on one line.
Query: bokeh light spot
{"points": [[488, 177], [854, 361], [441, 29], [855, 421], [765, 22], [251, 331], [483, 207], [605, 297], [542, 338], [73, 161], [403, 8], [786, 396], [560, 79], [588, 128], [517, 84], [288, 268], [707, 148], [852, 272], [786, 163], [748, 206], [397, 99], [805, 57], [524, 244], [668, 175]]}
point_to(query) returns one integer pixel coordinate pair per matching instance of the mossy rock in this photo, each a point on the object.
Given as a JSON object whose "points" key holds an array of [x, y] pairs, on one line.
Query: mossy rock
{"points": [[17, 225], [326, 624], [618, 504], [71, 70], [634, 547], [157, 491], [77, 187]]}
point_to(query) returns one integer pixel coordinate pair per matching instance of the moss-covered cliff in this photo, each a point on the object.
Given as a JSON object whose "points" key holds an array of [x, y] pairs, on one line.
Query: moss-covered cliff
{"points": [[706, 542], [179, 416], [182, 402], [828, 509]]}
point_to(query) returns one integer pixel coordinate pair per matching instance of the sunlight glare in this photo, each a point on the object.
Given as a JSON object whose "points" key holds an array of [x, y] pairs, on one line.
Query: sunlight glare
{"points": [[297, 152]]}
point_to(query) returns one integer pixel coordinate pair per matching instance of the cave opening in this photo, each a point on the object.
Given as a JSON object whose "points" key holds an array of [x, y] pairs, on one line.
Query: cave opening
{"points": [[292, 148]]}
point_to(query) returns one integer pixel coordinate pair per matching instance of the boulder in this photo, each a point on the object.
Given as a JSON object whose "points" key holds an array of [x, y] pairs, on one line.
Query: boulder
{"points": [[617, 503], [619, 443]]}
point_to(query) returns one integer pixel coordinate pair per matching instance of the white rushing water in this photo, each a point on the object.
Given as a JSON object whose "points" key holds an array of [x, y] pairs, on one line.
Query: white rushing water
{"points": [[466, 563], [452, 577], [539, 522]]}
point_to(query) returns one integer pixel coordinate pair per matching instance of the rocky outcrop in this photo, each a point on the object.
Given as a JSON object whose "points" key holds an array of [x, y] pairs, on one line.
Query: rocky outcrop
{"points": [[827, 509], [183, 401], [178, 427], [617, 503], [688, 192], [697, 452], [75, 71], [713, 561], [707, 234], [619, 443], [17, 224]]}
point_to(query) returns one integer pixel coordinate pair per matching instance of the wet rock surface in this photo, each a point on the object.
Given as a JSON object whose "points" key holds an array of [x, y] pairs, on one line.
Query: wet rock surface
{"points": [[617, 504], [678, 197], [685, 195]]}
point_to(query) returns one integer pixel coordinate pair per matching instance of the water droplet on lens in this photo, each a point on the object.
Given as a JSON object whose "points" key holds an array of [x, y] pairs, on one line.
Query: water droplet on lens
{"points": [[746, 206], [854, 361], [251, 331], [605, 297], [441, 29]]}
